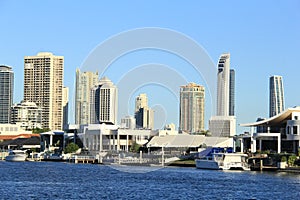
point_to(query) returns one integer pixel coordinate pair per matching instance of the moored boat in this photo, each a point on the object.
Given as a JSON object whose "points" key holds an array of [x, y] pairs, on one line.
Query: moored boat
{"points": [[234, 161], [16, 156], [218, 158]]}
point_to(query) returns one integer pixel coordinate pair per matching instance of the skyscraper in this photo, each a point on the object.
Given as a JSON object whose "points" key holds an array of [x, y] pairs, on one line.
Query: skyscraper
{"points": [[6, 93], [85, 81], [65, 105], [276, 95], [232, 93], [141, 101], [223, 85], [104, 102], [144, 115], [192, 98], [43, 83], [224, 123]]}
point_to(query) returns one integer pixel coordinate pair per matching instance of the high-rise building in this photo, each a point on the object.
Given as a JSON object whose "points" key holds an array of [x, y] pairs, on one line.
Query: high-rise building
{"points": [[232, 93], [144, 115], [43, 83], [276, 105], [65, 105], [85, 81], [141, 101], [6, 93], [104, 102], [27, 115], [192, 98], [223, 85], [224, 124]]}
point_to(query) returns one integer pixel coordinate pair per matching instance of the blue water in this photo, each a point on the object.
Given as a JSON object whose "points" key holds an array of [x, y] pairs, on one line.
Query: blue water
{"points": [[49, 180]]}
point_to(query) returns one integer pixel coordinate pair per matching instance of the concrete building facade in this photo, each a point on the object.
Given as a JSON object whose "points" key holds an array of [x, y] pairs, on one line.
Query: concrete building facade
{"points": [[128, 122], [223, 85], [104, 102], [85, 81], [192, 100], [232, 93], [43, 83], [27, 114], [144, 115], [222, 126]]}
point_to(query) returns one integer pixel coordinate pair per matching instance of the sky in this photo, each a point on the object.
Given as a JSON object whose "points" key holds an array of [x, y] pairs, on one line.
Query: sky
{"points": [[263, 38]]}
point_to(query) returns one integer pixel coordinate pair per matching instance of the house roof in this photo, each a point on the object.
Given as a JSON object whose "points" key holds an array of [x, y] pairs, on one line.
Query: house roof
{"points": [[277, 119], [189, 141], [34, 140], [12, 137]]}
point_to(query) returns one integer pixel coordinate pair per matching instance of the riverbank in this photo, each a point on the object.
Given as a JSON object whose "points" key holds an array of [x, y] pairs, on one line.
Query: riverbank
{"points": [[183, 163]]}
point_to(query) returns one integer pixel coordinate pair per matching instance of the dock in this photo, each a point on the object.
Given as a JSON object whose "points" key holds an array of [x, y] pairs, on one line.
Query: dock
{"points": [[83, 159]]}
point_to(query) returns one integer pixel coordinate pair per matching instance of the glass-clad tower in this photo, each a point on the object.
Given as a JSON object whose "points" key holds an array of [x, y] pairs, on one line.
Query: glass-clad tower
{"points": [[276, 95], [6, 93]]}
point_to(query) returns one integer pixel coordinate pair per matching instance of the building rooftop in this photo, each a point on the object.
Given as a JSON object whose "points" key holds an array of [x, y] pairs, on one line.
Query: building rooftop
{"points": [[275, 119]]}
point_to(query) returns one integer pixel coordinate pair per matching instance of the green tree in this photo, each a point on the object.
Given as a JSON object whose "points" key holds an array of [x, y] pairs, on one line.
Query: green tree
{"points": [[40, 130], [135, 147], [71, 148]]}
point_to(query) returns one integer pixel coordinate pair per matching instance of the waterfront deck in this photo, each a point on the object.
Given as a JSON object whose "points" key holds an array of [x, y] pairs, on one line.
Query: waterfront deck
{"points": [[83, 159]]}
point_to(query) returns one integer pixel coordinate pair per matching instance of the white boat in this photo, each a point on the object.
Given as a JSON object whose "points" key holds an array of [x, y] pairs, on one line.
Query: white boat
{"points": [[16, 155], [223, 161], [234, 161], [210, 162]]}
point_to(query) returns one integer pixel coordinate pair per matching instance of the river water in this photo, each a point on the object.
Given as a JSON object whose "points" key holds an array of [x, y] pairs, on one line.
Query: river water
{"points": [[50, 180]]}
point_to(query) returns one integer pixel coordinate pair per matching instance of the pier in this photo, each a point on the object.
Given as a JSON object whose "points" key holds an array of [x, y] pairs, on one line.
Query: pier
{"points": [[83, 159]]}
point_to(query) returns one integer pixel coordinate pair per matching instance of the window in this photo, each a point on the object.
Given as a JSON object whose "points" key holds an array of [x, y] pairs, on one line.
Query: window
{"points": [[295, 130]]}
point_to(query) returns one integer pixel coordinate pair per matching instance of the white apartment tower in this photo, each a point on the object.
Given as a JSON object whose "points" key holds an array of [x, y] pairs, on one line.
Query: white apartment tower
{"points": [[276, 105], [224, 123], [27, 115], [223, 85], [85, 81], [43, 83], [192, 98], [104, 102]]}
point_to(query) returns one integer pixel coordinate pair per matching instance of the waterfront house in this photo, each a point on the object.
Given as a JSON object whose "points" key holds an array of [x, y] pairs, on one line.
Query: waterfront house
{"points": [[280, 133], [108, 137]]}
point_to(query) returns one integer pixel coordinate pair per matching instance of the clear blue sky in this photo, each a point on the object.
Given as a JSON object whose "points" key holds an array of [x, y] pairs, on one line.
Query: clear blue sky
{"points": [[263, 38]]}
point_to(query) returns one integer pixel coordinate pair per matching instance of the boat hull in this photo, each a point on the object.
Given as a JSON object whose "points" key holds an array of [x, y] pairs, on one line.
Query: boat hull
{"points": [[15, 158], [207, 164]]}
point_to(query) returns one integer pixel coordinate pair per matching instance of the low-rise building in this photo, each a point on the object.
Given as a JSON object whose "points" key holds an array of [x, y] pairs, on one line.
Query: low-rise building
{"points": [[11, 131], [105, 137]]}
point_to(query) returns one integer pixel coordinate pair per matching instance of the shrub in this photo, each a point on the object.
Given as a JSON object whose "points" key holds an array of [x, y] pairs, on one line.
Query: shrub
{"points": [[283, 159], [71, 148], [292, 160]]}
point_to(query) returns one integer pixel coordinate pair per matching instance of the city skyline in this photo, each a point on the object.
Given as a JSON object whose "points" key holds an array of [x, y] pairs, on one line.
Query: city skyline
{"points": [[257, 51]]}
